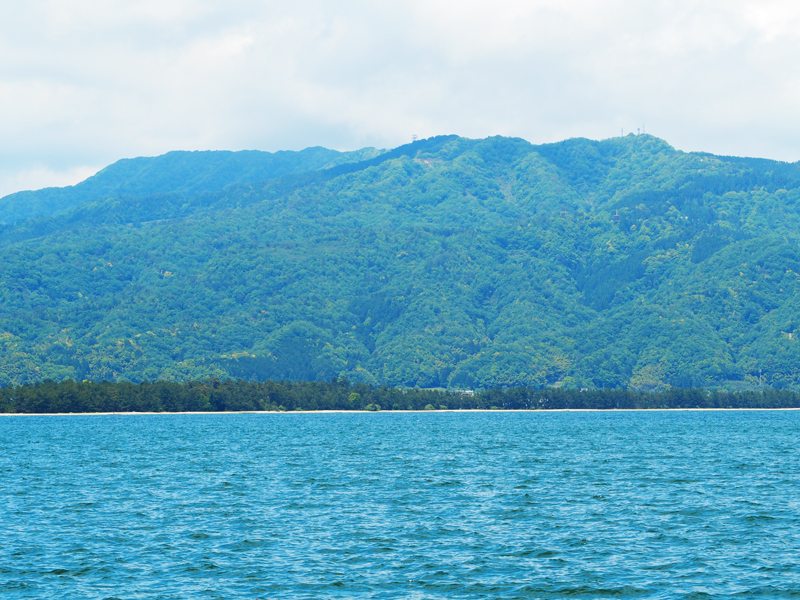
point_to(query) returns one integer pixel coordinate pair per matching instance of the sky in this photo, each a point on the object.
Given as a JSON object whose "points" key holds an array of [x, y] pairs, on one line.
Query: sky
{"points": [[84, 83]]}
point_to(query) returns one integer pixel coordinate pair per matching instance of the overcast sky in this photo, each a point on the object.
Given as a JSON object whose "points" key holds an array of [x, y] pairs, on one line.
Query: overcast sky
{"points": [[86, 82]]}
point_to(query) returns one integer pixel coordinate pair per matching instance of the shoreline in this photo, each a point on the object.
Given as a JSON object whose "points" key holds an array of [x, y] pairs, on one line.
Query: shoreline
{"points": [[324, 412]]}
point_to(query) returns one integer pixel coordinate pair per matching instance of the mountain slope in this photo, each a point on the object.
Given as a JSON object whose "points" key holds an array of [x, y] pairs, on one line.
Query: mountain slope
{"points": [[183, 173], [448, 262]]}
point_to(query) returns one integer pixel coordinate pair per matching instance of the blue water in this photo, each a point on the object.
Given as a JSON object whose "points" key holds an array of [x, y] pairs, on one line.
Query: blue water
{"points": [[431, 505]]}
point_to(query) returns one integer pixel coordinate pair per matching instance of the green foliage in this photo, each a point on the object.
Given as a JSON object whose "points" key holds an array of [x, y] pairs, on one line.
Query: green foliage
{"points": [[236, 395], [182, 173], [447, 263]]}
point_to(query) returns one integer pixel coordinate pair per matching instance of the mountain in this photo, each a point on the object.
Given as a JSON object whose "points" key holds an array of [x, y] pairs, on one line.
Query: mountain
{"points": [[448, 262], [186, 173]]}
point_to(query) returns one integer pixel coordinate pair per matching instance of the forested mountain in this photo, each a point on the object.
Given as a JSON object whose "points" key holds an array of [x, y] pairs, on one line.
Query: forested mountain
{"points": [[448, 262], [185, 173]]}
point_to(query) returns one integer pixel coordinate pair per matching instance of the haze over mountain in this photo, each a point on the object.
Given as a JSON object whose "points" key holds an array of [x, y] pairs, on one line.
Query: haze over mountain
{"points": [[447, 262], [186, 173]]}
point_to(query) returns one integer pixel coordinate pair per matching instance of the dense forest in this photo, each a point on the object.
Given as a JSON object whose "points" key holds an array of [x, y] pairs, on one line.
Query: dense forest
{"points": [[446, 263], [182, 173], [216, 395]]}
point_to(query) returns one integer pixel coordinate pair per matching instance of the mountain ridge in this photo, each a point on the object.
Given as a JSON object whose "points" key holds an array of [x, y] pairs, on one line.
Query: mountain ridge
{"points": [[447, 262], [183, 172]]}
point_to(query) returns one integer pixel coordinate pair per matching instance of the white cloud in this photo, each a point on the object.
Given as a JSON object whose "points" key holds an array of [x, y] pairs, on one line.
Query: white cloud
{"points": [[39, 177], [87, 82]]}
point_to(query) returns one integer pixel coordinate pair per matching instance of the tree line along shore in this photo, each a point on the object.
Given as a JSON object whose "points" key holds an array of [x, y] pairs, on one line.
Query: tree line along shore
{"points": [[215, 395]]}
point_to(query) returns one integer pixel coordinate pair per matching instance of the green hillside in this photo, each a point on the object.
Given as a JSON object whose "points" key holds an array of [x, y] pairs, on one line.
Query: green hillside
{"points": [[448, 263], [184, 173]]}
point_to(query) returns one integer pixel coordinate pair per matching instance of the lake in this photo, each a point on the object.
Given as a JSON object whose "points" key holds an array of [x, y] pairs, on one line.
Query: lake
{"points": [[647, 504]]}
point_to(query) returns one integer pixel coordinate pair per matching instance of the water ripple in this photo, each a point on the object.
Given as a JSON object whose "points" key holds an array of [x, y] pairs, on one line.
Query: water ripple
{"points": [[443, 505]]}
